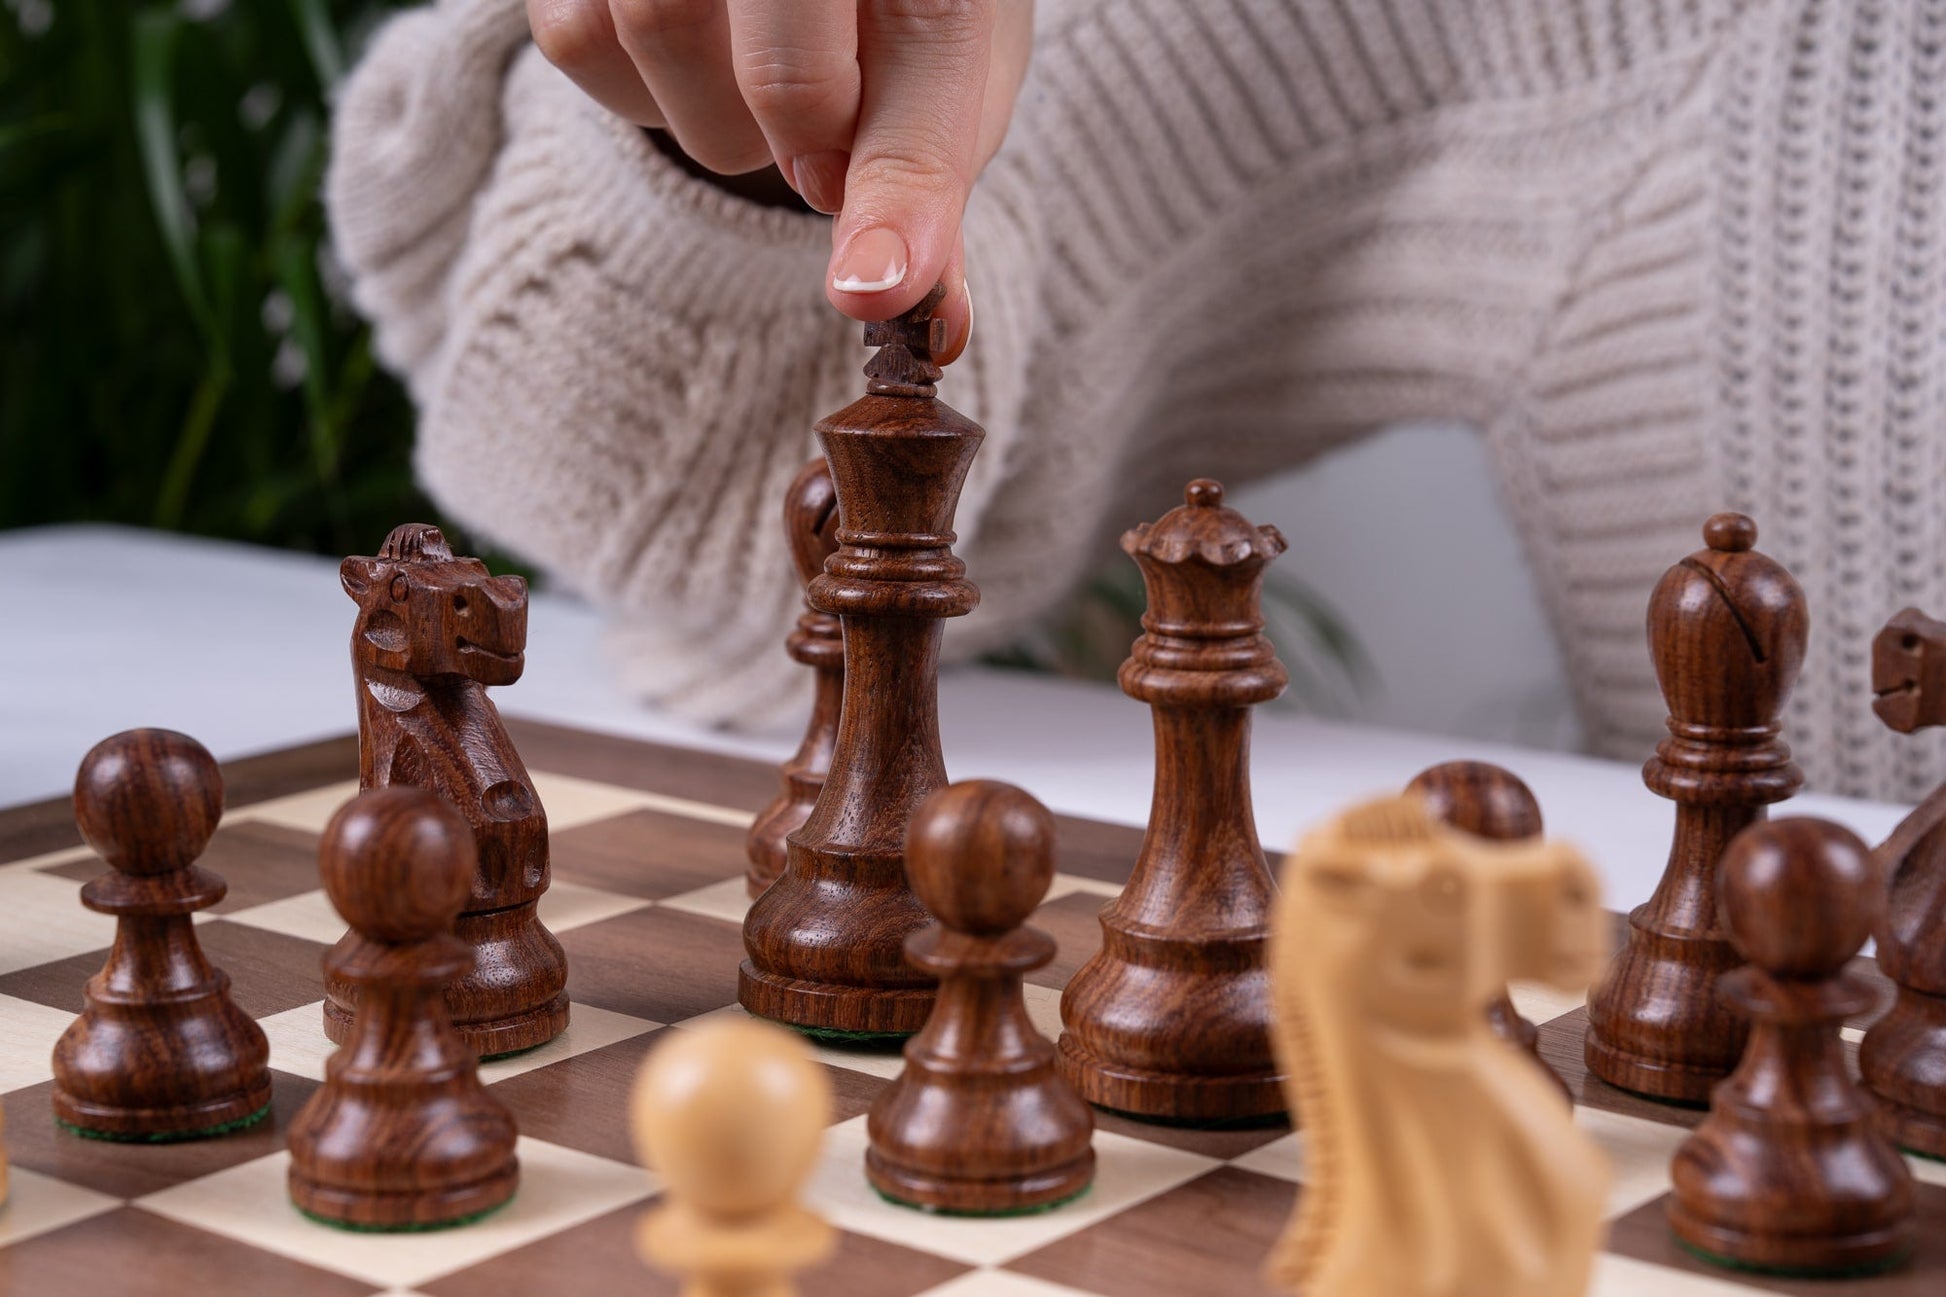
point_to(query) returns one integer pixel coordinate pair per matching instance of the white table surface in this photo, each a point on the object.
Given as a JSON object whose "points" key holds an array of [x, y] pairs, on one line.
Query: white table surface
{"points": [[247, 649]]}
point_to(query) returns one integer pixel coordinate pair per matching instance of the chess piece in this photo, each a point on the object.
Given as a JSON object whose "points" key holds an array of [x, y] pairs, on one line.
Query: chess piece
{"points": [[1490, 802], [980, 1122], [1789, 1172], [1171, 1017], [1437, 1160], [401, 1135], [730, 1114], [811, 528], [826, 941], [1903, 1055], [1727, 627], [433, 632], [161, 1051]]}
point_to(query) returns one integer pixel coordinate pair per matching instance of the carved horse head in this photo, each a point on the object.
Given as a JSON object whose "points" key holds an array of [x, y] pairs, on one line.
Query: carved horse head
{"points": [[425, 613], [1435, 923], [1909, 672]]}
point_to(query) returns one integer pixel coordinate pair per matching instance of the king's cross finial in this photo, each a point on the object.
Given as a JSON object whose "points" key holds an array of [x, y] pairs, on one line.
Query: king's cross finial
{"points": [[906, 343]]}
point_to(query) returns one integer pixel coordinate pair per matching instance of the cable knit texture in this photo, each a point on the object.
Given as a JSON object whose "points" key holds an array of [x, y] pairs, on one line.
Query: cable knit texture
{"points": [[1670, 256]]}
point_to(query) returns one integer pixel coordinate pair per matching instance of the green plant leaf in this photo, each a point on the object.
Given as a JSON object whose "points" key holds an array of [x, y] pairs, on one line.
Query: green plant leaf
{"points": [[152, 40], [320, 35]]}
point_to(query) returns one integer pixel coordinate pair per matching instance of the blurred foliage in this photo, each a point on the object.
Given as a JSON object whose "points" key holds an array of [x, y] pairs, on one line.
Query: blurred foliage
{"points": [[177, 349]]}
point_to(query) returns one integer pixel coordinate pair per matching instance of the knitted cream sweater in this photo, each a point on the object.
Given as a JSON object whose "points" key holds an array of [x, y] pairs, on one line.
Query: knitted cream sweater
{"points": [[1670, 256]]}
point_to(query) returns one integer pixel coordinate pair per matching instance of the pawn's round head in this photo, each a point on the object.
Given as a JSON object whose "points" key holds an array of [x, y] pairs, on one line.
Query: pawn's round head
{"points": [[147, 801], [730, 1114], [1799, 896], [1480, 798], [980, 856], [398, 863]]}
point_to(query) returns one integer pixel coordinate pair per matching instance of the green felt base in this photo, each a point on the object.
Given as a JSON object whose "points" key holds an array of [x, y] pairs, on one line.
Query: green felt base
{"points": [[1922, 1154], [515, 1053], [1043, 1209], [351, 1228], [833, 1036], [166, 1137], [1263, 1121], [1892, 1262]]}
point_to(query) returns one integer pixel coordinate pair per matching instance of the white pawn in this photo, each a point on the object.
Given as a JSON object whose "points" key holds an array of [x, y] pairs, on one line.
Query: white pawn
{"points": [[731, 1115]]}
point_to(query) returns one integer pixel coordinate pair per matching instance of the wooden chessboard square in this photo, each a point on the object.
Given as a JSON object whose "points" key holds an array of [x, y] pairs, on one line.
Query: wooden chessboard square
{"points": [[269, 971], [1127, 1171], [261, 862], [601, 1255], [129, 1170], [1644, 1235], [46, 921], [1092, 849], [1074, 921], [1562, 1041], [649, 853], [132, 1253], [655, 963], [1208, 1235], [250, 1204], [1638, 1154], [1001, 1283], [689, 774], [298, 1044], [40, 1204], [28, 1031]]}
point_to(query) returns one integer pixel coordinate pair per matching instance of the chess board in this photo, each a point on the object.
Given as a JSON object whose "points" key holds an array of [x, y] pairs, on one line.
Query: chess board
{"points": [[647, 899]]}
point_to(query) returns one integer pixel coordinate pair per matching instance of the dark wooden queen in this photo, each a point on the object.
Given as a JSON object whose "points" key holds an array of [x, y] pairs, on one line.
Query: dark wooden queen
{"points": [[1171, 1018], [826, 941]]}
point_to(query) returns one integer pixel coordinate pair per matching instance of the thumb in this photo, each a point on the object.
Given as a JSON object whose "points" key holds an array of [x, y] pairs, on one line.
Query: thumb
{"points": [[923, 68]]}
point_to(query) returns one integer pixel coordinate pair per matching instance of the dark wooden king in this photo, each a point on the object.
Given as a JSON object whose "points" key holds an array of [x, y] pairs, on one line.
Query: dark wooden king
{"points": [[826, 941], [818, 641], [433, 632], [1727, 629], [1171, 1017]]}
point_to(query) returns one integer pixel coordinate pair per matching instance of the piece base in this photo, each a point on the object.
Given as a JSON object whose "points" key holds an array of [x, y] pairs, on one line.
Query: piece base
{"points": [[164, 1125], [488, 1039], [1672, 1083], [1170, 1098], [165, 1136], [1026, 1195], [858, 1011], [1914, 1131], [1850, 1270], [369, 1212]]}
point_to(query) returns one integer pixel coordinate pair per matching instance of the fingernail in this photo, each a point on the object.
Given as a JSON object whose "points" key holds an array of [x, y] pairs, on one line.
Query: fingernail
{"points": [[819, 179], [873, 261]]}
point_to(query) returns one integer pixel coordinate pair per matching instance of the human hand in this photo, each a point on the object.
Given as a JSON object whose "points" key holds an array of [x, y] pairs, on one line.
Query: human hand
{"points": [[882, 112]]}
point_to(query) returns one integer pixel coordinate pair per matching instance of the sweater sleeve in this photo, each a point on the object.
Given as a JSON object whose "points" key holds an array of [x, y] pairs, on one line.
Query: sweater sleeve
{"points": [[617, 365]]}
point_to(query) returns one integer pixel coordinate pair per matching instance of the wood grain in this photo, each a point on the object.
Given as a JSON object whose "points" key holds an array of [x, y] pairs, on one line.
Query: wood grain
{"points": [[980, 1121], [433, 631], [826, 941], [160, 1049], [1171, 1018], [402, 1134], [1727, 630], [817, 641]]}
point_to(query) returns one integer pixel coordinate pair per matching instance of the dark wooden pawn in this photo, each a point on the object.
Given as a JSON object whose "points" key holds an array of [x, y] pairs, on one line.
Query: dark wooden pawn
{"points": [[434, 631], [160, 1050], [1789, 1172], [826, 941], [818, 641], [980, 1122], [1491, 802], [402, 1134], [1171, 1017], [1727, 629], [1903, 1055]]}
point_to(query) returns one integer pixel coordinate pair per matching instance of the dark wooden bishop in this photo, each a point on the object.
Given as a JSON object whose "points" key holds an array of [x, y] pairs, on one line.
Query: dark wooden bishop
{"points": [[402, 1135], [1789, 1171], [1171, 1017], [980, 1121], [1903, 1055], [1491, 802], [1727, 629], [160, 1050], [826, 941], [818, 641], [433, 632]]}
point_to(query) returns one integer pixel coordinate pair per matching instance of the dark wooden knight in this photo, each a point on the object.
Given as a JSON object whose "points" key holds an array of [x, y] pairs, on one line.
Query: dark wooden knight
{"points": [[433, 632]]}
